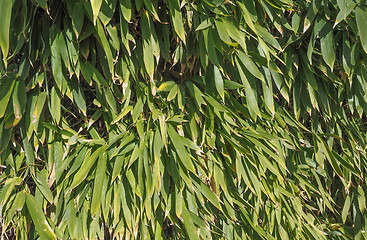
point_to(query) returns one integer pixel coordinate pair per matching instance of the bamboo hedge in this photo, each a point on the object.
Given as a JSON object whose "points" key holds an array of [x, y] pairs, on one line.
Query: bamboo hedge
{"points": [[183, 119]]}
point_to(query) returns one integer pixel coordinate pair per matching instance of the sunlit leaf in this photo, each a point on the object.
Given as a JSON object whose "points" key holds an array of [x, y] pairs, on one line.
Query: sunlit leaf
{"points": [[41, 224]]}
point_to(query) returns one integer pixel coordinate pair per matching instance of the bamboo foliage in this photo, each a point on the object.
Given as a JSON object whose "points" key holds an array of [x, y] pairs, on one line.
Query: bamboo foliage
{"points": [[183, 119]]}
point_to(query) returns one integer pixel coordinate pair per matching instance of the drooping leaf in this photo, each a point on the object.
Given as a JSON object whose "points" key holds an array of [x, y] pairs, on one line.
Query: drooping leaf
{"points": [[98, 184], [175, 11], [219, 82], [55, 104], [327, 45], [6, 90], [5, 16], [38, 217], [96, 6], [180, 149], [85, 167], [361, 18]]}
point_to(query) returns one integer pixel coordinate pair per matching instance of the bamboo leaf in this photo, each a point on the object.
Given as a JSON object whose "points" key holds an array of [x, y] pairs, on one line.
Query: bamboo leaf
{"points": [[41, 224], [219, 82], [122, 114], [166, 86], [98, 184], [125, 7], [7, 189], [176, 16], [251, 66], [163, 130], [189, 225], [19, 99], [183, 119], [250, 94], [6, 90], [148, 50], [5, 16], [96, 6], [327, 45], [331, 158], [72, 220], [172, 93], [55, 105], [205, 24], [361, 18], [39, 107], [85, 167], [42, 184], [180, 149]]}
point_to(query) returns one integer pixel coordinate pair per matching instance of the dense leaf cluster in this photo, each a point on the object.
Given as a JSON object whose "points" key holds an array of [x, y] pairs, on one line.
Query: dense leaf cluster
{"points": [[183, 119]]}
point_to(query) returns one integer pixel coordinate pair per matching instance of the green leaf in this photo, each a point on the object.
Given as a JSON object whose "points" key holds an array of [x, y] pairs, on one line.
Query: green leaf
{"points": [[106, 48], [172, 94], [209, 38], [205, 190], [96, 6], [78, 97], [250, 65], [205, 24], [42, 3], [125, 7], [137, 151], [72, 220], [311, 13], [346, 7], [181, 97], [251, 98], [41, 224], [148, 50], [263, 33], [110, 98], [346, 207], [297, 99], [19, 99], [223, 32], [180, 149], [174, 7], [17, 205], [137, 109], [166, 86], [98, 184], [56, 42], [7, 189], [268, 92], [247, 16], [361, 199], [41, 99], [329, 155], [189, 225], [41, 181], [219, 82], [183, 119], [86, 166], [327, 45], [215, 104], [163, 130], [55, 107], [235, 33], [6, 89], [60, 165], [77, 16], [5, 16], [122, 114], [107, 11], [361, 19], [196, 93]]}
